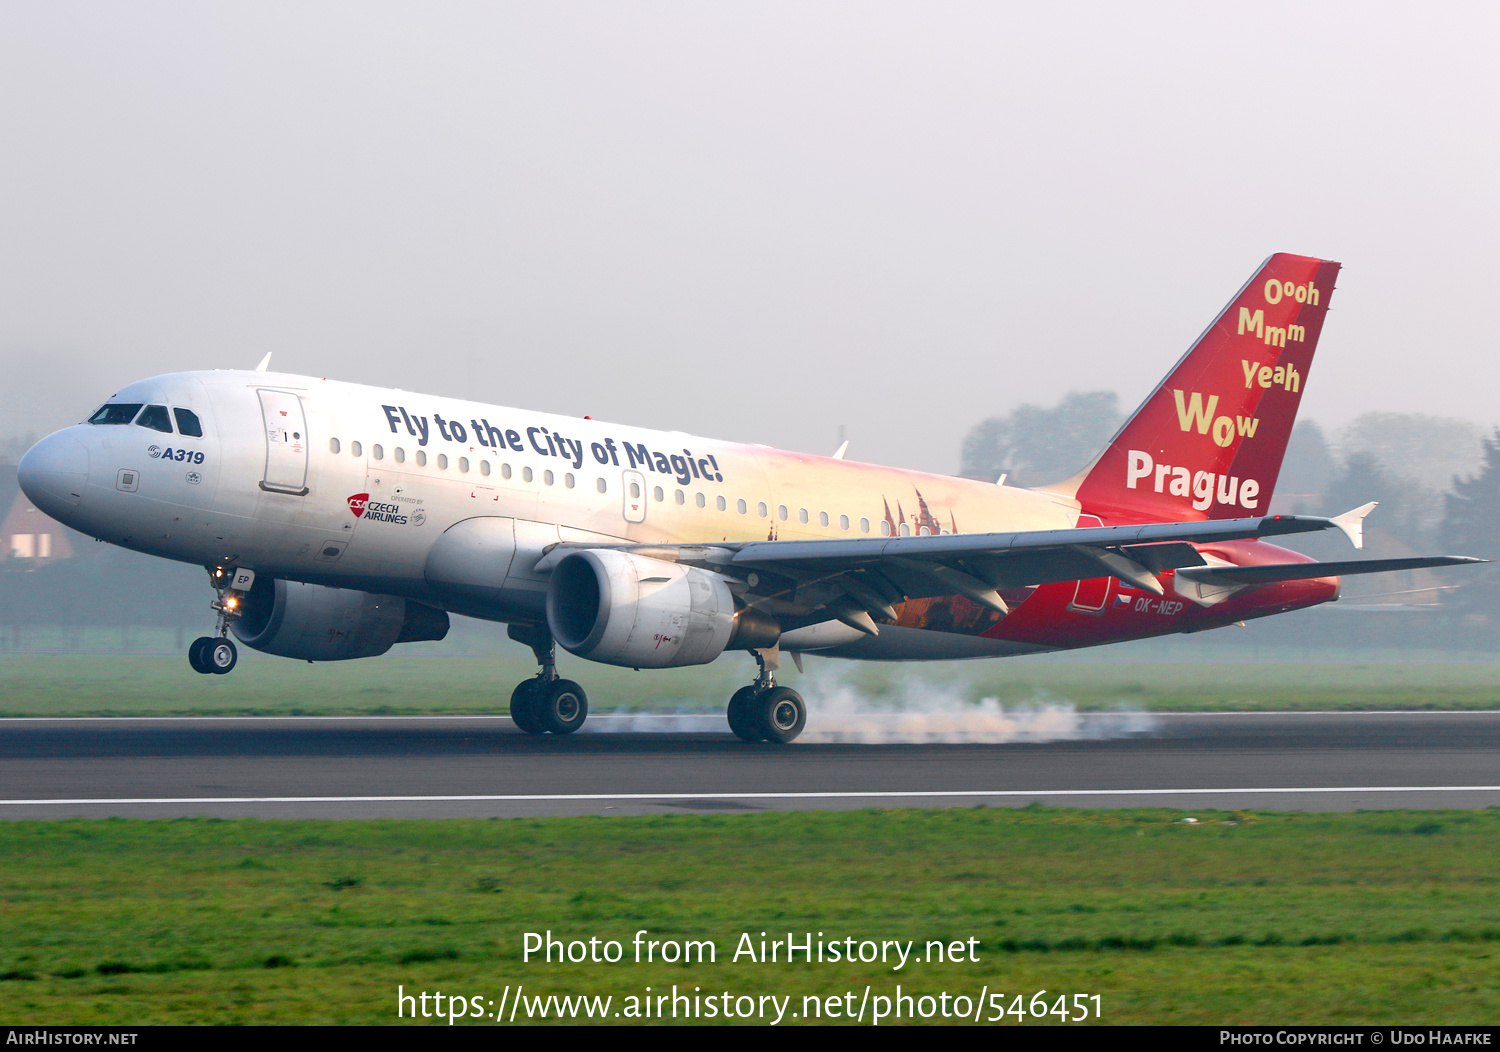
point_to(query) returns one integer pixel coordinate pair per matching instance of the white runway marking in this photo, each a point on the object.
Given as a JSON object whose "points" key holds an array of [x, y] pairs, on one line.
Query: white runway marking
{"points": [[688, 715], [852, 795]]}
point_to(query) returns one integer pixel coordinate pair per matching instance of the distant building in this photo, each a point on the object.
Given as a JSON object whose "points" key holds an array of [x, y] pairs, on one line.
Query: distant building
{"points": [[25, 532]]}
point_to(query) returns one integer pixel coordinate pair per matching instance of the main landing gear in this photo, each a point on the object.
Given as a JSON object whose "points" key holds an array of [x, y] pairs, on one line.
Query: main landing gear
{"points": [[217, 654], [546, 702], [765, 712]]}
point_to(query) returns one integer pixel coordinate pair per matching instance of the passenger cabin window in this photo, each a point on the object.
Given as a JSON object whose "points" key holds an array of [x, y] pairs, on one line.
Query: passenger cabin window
{"points": [[421, 459], [600, 485], [742, 507], [484, 467], [843, 522], [155, 417], [864, 525], [885, 528], [781, 512], [547, 476], [822, 518], [333, 445], [526, 475], [377, 451], [442, 461], [463, 464], [722, 504], [802, 516], [400, 455], [568, 480], [703, 501], [356, 450], [760, 508], [680, 497], [116, 413], [505, 471], [187, 423], [658, 494]]}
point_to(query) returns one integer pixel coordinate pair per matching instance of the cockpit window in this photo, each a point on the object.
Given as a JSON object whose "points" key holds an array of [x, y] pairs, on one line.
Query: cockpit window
{"points": [[116, 413], [155, 417], [187, 422]]}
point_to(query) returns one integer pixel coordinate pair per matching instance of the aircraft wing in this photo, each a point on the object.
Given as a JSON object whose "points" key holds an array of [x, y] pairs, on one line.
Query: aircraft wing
{"points": [[852, 579], [1267, 574]]}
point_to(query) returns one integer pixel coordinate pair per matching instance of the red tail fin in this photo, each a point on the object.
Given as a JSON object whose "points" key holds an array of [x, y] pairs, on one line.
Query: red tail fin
{"points": [[1208, 442]]}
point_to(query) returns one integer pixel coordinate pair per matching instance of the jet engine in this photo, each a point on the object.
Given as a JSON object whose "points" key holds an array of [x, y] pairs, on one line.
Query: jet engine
{"points": [[625, 609], [314, 623]]}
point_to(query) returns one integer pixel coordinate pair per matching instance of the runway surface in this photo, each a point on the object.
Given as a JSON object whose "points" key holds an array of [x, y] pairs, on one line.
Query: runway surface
{"points": [[369, 767]]}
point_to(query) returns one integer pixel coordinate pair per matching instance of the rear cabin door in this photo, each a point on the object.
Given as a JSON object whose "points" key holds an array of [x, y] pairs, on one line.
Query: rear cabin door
{"points": [[286, 443], [1092, 595]]}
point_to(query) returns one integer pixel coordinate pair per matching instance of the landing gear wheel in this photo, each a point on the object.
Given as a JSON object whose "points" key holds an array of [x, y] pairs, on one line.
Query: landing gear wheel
{"points": [[198, 655], [780, 714], [561, 706], [523, 706], [221, 656], [742, 715]]}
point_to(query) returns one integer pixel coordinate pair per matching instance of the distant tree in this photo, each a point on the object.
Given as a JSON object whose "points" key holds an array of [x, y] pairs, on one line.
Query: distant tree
{"points": [[1409, 512], [1035, 445], [1309, 465], [13, 446], [1430, 450], [1471, 526]]}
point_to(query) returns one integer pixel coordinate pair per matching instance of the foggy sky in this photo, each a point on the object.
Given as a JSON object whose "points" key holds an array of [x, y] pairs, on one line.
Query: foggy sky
{"points": [[754, 222]]}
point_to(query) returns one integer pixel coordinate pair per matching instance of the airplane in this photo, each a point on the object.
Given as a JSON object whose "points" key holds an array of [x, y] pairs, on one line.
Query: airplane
{"points": [[337, 520]]}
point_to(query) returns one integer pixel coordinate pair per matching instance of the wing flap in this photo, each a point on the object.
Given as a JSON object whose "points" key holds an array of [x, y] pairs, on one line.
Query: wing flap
{"points": [[949, 546]]}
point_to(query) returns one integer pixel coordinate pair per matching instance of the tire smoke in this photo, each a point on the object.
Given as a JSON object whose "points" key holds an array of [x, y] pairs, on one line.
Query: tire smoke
{"points": [[912, 711]]}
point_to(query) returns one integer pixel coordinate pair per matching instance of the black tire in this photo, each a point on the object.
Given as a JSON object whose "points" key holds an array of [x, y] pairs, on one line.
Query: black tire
{"points": [[523, 706], [780, 715], [198, 655], [220, 656], [562, 706], [742, 715]]}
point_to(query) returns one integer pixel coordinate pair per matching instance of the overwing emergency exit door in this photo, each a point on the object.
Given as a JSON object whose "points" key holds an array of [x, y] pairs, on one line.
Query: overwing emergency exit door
{"points": [[286, 443], [635, 496]]}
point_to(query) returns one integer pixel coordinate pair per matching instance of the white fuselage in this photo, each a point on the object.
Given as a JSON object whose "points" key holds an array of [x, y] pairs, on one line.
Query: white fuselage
{"points": [[357, 491]]}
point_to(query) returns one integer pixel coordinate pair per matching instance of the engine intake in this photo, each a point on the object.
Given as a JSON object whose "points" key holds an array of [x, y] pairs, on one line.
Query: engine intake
{"points": [[311, 622], [624, 609]]}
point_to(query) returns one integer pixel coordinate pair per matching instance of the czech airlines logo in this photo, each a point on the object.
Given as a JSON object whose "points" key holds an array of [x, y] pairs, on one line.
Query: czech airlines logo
{"points": [[357, 503]]}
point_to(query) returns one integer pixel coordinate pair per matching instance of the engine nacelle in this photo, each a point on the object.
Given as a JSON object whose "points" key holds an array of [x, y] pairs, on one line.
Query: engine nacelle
{"points": [[310, 622], [625, 609]]}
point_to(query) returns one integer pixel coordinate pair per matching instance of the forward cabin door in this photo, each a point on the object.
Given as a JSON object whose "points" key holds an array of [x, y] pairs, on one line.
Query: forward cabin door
{"points": [[286, 443]]}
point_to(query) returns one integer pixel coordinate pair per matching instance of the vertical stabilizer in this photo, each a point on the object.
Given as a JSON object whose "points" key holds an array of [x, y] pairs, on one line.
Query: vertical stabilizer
{"points": [[1208, 442]]}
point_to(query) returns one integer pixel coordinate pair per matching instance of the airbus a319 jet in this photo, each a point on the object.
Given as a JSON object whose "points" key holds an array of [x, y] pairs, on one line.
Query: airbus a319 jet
{"points": [[337, 520]]}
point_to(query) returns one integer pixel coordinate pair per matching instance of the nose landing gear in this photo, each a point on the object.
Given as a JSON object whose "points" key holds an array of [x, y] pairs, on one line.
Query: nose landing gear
{"points": [[546, 702], [217, 654], [765, 712]]}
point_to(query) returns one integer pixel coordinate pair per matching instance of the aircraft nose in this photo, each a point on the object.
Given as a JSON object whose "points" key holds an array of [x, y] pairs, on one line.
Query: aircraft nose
{"points": [[53, 472]]}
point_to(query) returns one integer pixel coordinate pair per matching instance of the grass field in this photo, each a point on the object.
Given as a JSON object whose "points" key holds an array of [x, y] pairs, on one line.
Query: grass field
{"points": [[106, 684], [1389, 917]]}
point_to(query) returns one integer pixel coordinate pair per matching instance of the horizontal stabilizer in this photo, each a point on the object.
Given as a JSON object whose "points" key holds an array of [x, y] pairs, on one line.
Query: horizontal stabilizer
{"points": [[1306, 571]]}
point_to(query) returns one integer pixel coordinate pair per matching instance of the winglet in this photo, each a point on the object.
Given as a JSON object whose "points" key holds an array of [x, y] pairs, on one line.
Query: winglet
{"points": [[264, 363], [838, 454], [1353, 523]]}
